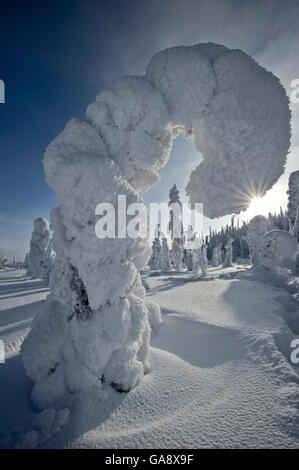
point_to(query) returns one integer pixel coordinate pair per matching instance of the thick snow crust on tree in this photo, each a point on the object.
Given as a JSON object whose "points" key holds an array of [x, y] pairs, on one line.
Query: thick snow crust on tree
{"points": [[41, 254], [94, 330]]}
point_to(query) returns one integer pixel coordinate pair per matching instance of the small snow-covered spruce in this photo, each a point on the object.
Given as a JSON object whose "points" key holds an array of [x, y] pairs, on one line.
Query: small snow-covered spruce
{"points": [[217, 255], [176, 229], [255, 237], [189, 236], [203, 260], [177, 253], [293, 198], [228, 262], [26, 261], [164, 255], [118, 150], [155, 259], [40, 260], [295, 229], [196, 253], [175, 209], [3, 262]]}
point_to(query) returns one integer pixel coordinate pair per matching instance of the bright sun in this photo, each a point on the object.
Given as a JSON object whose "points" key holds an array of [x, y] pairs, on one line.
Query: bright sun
{"points": [[271, 202]]}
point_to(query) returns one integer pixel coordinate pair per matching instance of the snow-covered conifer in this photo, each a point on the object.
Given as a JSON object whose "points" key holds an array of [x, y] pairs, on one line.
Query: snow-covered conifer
{"points": [[177, 253], [26, 261], [217, 255], [196, 253], [203, 261], [165, 255], [155, 259], [255, 237], [176, 229], [228, 262], [189, 236], [3, 262], [40, 260]]}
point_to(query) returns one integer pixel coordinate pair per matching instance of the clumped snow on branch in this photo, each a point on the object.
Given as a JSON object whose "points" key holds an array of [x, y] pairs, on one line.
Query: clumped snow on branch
{"points": [[94, 331], [41, 255]]}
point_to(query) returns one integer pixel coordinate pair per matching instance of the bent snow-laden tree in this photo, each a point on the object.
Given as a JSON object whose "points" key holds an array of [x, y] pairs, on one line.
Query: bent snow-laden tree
{"points": [[40, 259], [94, 330]]}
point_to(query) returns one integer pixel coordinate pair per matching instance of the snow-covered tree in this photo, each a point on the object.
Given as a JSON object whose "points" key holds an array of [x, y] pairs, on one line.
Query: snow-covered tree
{"points": [[295, 229], [203, 261], [255, 237], [196, 256], [217, 255], [26, 261], [155, 259], [164, 255], [177, 253], [228, 262], [176, 229], [40, 260], [3, 262], [175, 206], [189, 237], [293, 197], [93, 332]]}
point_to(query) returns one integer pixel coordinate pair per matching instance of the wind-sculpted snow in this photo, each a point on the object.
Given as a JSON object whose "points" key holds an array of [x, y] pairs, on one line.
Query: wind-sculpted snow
{"points": [[239, 116], [133, 121], [244, 137]]}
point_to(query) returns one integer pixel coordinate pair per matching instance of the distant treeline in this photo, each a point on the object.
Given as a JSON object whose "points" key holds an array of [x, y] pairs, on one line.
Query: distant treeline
{"points": [[238, 233]]}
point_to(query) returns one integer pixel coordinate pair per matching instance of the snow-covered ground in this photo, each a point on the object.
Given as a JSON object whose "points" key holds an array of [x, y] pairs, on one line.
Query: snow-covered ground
{"points": [[220, 372]]}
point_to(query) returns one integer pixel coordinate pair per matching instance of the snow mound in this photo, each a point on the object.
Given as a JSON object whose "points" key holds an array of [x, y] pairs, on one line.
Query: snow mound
{"points": [[46, 425]]}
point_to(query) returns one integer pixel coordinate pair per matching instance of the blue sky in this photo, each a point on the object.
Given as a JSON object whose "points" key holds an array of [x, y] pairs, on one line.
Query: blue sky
{"points": [[57, 55]]}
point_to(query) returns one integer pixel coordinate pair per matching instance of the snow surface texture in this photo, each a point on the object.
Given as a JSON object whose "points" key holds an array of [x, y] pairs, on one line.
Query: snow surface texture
{"points": [[41, 255], [220, 371], [94, 330]]}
